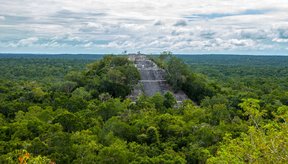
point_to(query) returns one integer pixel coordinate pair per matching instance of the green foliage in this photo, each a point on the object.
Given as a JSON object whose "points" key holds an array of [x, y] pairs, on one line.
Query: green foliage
{"points": [[115, 75], [40, 69], [85, 146], [169, 100], [152, 135], [180, 77], [251, 108], [158, 101], [69, 122], [262, 144], [109, 108], [85, 117], [116, 153]]}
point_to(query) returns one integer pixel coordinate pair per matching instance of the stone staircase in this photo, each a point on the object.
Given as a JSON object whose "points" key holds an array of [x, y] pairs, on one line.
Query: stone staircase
{"points": [[152, 79]]}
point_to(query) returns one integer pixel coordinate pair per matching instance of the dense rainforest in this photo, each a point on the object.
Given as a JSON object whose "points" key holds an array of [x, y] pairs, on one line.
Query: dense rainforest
{"points": [[75, 110]]}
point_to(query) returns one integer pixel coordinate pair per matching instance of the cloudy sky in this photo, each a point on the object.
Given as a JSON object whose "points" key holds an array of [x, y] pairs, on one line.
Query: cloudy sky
{"points": [[150, 26]]}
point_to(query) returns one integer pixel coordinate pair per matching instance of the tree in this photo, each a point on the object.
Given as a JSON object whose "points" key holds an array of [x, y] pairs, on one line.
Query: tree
{"points": [[175, 73], [158, 100], [38, 94], [169, 100], [116, 153], [110, 108], [69, 122], [120, 129], [81, 93], [66, 87], [165, 55], [152, 135], [251, 108], [261, 144], [85, 146]]}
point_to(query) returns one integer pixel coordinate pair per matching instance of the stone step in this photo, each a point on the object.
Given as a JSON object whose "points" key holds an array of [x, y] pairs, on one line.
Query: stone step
{"points": [[151, 81]]}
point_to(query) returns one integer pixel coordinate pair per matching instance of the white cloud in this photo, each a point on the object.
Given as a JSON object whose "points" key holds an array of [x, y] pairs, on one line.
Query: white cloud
{"points": [[27, 41], [182, 25], [158, 23], [278, 40]]}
